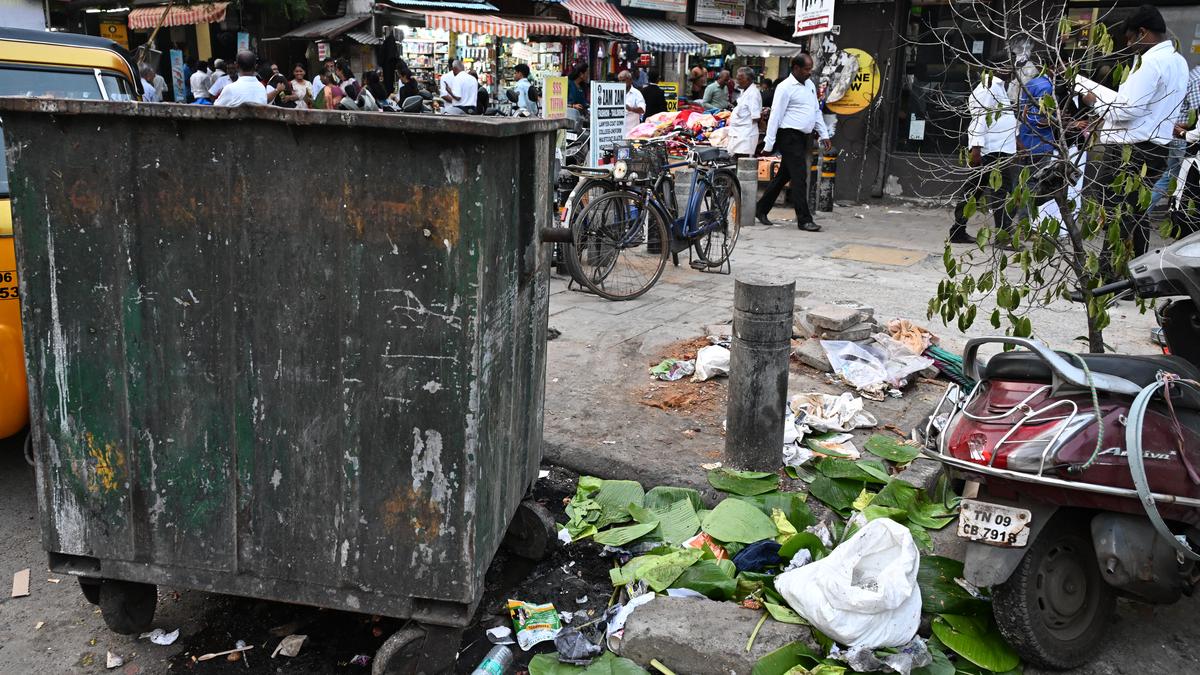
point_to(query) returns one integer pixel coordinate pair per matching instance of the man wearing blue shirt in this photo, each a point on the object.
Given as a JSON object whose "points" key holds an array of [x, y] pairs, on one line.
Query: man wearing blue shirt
{"points": [[1034, 135]]}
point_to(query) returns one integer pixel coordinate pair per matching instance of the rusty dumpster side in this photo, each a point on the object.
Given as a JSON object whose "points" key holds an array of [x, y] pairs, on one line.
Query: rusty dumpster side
{"points": [[295, 355]]}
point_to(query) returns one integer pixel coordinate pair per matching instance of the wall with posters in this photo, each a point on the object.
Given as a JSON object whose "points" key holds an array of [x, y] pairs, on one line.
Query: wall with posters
{"points": [[721, 12]]}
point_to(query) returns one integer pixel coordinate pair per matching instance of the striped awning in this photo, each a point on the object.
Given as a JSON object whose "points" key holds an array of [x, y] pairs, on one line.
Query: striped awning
{"points": [[502, 26], [657, 35], [597, 14], [146, 18], [750, 43]]}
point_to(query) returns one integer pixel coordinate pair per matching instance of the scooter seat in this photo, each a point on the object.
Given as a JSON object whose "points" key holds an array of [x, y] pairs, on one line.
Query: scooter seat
{"points": [[1140, 370]]}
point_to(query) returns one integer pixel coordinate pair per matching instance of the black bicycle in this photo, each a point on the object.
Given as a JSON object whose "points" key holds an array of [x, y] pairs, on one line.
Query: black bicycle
{"points": [[622, 238]]}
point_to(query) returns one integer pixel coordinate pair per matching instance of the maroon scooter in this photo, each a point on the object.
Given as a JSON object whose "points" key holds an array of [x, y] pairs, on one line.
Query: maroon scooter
{"points": [[1082, 471]]}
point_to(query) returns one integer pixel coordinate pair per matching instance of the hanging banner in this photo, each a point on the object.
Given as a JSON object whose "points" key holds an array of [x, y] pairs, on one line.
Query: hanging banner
{"points": [[671, 93], [608, 117], [554, 98], [243, 42], [813, 16], [178, 82], [722, 12], [863, 88]]}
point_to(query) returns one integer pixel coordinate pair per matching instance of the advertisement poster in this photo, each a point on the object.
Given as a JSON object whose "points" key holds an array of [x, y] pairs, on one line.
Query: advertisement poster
{"points": [[671, 93], [722, 12], [608, 116], [813, 16], [178, 83], [117, 32], [863, 88], [243, 42], [555, 97]]}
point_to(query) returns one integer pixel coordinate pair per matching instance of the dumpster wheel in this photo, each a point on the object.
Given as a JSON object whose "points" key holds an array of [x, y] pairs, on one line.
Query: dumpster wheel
{"points": [[392, 647], [127, 606]]}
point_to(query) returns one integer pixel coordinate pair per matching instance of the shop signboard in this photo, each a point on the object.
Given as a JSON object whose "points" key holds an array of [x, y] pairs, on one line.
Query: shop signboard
{"points": [[863, 88], [608, 117], [813, 16], [322, 51], [117, 32], [722, 12], [671, 93], [178, 83], [554, 97], [658, 5]]}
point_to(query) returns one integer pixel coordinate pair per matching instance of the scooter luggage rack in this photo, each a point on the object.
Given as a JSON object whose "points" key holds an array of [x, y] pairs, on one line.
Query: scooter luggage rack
{"points": [[1029, 416], [939, 452]]}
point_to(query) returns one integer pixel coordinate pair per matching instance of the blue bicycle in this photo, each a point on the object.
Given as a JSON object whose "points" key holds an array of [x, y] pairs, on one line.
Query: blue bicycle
{"points": [[622, 239]]}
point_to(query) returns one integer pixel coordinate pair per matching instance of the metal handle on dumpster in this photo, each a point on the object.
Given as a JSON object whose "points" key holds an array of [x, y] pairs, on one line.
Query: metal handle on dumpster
{"points": [[556, 235]]}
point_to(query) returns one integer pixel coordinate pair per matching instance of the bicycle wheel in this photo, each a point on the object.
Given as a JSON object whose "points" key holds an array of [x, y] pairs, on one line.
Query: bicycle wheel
{"points": [[719, 205], [610, 256]]}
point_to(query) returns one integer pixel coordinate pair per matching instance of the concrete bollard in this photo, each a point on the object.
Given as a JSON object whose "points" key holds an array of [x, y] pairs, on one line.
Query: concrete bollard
{"points": [[747, 174], [758, 373]]}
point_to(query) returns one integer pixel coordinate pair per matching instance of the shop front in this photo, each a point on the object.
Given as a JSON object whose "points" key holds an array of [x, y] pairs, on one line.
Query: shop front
{"points": [[732, 48]]}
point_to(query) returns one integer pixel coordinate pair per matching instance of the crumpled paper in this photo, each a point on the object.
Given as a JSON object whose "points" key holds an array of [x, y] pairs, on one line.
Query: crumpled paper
{"points": [[825, 412], [912, 336]]}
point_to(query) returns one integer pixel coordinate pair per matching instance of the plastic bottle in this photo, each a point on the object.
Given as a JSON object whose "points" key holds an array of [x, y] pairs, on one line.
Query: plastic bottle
{"points": [[497, 662]]}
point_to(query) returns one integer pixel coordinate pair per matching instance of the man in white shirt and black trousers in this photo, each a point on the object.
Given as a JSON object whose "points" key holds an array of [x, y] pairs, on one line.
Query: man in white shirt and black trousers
{"points": [[795, 115], [1142, 116], [991, 144]]}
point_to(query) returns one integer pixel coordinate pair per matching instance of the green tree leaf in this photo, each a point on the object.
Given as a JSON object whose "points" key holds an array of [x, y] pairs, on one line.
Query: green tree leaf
{"points": [[745, 483], [735, 520]]}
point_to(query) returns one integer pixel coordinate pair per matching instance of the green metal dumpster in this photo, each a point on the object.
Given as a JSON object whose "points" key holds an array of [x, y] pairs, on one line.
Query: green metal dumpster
{"points": [[293, 355]]}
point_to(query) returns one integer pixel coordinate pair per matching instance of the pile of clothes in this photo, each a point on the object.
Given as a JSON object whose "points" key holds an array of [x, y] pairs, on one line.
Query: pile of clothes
{"points": [[707, 127]]}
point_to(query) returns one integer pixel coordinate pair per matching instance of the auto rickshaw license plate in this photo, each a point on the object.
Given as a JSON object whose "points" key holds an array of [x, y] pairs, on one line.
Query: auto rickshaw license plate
{"points": [[993, 524]]}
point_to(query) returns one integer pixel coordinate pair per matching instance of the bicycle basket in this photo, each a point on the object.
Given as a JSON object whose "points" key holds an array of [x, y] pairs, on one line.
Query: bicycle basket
{"points": [[644, 160]]}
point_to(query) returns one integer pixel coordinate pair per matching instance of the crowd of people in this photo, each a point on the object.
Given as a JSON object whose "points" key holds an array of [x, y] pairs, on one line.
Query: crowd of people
{"points": [[246, 81], [1151, 116]]}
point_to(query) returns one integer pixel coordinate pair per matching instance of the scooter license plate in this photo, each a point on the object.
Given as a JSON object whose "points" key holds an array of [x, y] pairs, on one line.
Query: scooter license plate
{"points": [[993, 524]]}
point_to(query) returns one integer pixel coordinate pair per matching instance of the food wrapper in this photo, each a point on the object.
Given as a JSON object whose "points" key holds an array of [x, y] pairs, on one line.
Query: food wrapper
{"points": [[702, 540], [533, 623]]}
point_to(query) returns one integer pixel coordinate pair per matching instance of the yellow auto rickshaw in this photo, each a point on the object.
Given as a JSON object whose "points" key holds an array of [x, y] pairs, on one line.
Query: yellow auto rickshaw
{"points": [[44, 65]]}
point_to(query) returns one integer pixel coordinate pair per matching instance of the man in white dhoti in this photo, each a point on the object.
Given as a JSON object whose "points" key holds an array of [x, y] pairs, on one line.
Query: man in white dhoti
{"points": [[743, 121]]}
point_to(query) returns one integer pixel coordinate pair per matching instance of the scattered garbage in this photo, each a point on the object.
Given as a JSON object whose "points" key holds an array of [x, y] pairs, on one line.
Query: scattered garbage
{"points": [[20, 583], [361, 660], [581, 600], [758, 556], [671, 370], [711, 361], [289, 646], [500, 635], [112, 660], [161, 637], [876, 367], [497, 662], [702, 541], [616, 622], [864, 593], [208, 657], [825, 412], [915, 654], [533, 623], [574, 648], [236, 655]]}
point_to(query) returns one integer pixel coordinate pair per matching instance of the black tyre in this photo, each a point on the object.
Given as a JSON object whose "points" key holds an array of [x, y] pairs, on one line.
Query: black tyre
{"points": [[1055, 608], [91, 589], [610, 252], [720, 203], [127, 606]]}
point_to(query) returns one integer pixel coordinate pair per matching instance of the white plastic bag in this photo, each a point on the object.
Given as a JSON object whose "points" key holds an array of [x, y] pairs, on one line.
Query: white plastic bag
{"points": [[711, 361], [864, 594]]}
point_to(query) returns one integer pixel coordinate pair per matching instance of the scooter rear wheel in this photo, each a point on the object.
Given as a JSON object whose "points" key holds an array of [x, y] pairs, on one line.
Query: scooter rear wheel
{"points": [[1055, 608]]}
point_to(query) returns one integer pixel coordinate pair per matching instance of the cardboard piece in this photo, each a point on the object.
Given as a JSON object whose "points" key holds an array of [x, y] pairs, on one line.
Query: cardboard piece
{"points": [[20, 587]]}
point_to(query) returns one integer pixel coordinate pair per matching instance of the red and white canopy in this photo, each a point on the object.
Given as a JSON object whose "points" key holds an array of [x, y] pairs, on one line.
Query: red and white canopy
{"points": [[597, 14], [146, 18], [502, 26]]}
